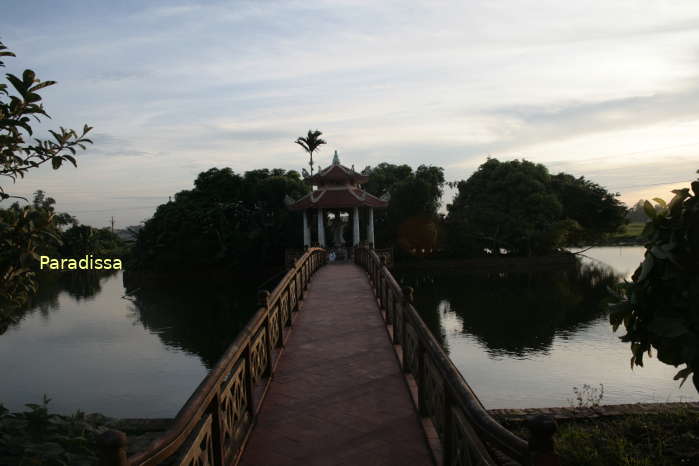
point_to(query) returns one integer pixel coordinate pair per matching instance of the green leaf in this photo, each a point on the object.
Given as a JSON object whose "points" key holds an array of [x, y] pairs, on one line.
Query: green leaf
{"points": [[683, 374], [649, 209], [661, 202]]}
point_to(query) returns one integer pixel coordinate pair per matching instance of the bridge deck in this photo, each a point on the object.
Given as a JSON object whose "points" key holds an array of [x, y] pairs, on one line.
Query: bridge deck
{"points": [[338, 396]]}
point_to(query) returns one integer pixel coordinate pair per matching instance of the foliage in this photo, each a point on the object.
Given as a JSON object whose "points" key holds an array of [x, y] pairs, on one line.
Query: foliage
{"points": [[22, 229], [81, 240], [507, 205], [517, 206], [37, 437], [660, 306], [411, 220], [227, 220], [17, 154], [596, 211], [666, 438], [310, 144]]}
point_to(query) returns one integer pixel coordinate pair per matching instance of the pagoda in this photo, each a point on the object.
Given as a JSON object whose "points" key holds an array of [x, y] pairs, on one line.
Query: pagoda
{"points": [[337, 188]]}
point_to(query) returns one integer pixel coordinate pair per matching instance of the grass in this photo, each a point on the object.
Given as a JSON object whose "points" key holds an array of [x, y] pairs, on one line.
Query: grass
{"points": [[663, 439], [631, 230]]}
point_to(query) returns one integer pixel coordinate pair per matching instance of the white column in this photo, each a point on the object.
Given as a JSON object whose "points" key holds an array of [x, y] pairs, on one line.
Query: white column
{"points": [[321, 229], [306, 231], [370, 227], [355, 230]]}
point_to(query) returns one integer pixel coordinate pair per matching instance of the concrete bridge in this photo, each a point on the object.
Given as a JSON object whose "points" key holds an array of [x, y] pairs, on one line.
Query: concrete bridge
{"points": [[335, 368]]}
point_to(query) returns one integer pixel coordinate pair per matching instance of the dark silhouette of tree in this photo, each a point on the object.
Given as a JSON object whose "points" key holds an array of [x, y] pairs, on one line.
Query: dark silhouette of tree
{"points": [[660, 306], [228, 220], [23, 228], [310, 144]]}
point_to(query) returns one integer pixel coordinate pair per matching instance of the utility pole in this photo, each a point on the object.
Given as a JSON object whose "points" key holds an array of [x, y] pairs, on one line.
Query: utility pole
{"points": [[112, 224]]}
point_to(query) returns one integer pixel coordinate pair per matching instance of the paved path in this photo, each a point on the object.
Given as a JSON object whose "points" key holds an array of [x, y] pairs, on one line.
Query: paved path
{"points": [[338, 396]]}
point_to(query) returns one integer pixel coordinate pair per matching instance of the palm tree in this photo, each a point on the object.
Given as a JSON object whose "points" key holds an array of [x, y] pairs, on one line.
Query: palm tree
{"points": [[310, 144]]}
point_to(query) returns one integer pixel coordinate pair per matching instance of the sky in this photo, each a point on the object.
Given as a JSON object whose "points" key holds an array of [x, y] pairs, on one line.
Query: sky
{"points": [[607, 90]]}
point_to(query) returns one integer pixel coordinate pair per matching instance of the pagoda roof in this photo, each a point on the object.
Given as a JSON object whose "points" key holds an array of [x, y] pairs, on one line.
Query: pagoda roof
{"points": [[336, 172], [338, 198]]}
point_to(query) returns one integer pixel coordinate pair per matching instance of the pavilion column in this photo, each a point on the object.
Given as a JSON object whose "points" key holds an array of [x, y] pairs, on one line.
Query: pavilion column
{"points": [[370, 228], [321, 228], [306, 231], [355, 230]]}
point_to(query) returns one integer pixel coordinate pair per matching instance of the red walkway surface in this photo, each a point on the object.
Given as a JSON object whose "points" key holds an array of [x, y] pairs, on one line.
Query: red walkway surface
{"points": [[338, 396]]}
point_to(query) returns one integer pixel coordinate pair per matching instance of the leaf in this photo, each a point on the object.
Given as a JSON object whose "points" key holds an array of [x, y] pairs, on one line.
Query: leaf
{"points": [[42, 85], [683, 374], [646, 267], [56, 162], [649, 209], [661, 202], [28, 77]]}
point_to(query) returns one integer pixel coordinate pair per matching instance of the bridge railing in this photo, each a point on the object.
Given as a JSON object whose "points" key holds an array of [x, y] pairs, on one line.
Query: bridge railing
{"points": [[466, 433], [212, 427]]}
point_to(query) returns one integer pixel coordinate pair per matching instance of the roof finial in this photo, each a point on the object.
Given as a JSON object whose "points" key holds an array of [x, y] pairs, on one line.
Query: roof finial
{"points": [[336, 159]]}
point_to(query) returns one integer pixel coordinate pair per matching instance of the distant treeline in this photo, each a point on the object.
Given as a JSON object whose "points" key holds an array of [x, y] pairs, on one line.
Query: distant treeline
{"points": [[30, 230], [240, 221]]}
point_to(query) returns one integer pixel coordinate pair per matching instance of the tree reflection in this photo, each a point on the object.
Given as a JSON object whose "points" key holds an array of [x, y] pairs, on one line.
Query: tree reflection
{"points": [[514, 314], [80, 285], [199, 318]]}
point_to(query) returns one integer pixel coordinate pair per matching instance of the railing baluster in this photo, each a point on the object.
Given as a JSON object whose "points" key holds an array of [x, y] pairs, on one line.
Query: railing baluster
{"points": [[407, 300]]}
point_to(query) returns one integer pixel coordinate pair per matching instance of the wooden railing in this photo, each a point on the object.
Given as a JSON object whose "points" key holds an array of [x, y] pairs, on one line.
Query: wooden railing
{"points": [[465, 434], [212, 427]]}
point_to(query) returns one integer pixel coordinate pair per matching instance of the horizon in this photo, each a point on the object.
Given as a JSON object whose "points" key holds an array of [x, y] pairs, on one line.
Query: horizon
{"points": [[601, 90]]}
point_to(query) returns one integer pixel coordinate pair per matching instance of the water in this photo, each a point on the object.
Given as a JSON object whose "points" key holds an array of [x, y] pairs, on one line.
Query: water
{"points": [[525, 340], [87, 346], [521, 340]]}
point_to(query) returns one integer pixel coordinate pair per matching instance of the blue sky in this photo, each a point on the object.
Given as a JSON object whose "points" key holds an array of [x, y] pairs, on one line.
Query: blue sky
{"points": [[607, 90]]}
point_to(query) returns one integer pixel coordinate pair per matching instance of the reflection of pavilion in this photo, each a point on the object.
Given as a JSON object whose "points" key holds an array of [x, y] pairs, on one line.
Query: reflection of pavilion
{"points": [[338, 189]]}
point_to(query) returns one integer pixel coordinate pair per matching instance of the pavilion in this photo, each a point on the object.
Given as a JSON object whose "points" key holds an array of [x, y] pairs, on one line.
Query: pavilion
{"points": [[338, 188]]}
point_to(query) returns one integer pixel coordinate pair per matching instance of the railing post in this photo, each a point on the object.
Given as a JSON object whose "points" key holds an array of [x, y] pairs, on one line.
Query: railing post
{"points": [[249, 392], [263, 300], [111, 448], [407, 300], [541, 446], [448, 434], [420, 378]]}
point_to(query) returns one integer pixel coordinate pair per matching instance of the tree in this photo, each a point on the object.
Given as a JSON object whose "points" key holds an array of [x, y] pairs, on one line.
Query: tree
{"points": [[596, 211], [506, 205], [411, 220], [660, 306], [310, 144], [226, 221], [21, 229]]}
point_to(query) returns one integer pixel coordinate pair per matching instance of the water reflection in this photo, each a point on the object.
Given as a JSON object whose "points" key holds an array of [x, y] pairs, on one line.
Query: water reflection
{"points": [[524, 340], [513, 314], [80, 285], [201, 318]]}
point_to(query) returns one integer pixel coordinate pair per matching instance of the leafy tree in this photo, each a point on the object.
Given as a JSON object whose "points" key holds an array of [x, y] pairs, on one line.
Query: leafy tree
{"points": [[411, 220], [310, 144], [21, 229], [596, 211], [227, 220], [660, 306], [506, 205], [519, 207]]}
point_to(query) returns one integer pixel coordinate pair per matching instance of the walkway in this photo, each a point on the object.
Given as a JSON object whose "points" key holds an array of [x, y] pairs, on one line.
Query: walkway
{"points": [[338, 396]]}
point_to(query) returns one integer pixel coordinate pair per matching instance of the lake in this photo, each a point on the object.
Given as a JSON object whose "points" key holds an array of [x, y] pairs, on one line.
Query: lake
{"points": [[525, 340], [520, 340], [88, 346]]}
